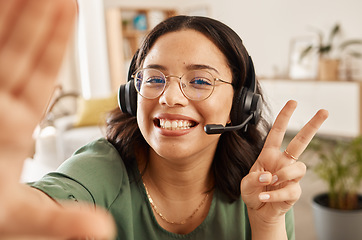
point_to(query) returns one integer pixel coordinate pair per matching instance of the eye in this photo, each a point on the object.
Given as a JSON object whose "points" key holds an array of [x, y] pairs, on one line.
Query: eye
{"points": [[200, 82], [155, 80]]}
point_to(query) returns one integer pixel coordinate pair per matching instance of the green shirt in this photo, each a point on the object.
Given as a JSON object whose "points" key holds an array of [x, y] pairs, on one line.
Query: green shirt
{"points": [[97, 174]]}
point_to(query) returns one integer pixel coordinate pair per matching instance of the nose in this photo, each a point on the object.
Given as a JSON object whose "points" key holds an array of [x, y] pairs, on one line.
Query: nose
{"points": [[172, 95]]}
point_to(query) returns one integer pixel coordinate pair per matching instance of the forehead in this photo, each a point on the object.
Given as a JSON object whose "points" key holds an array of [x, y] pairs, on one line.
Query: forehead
{"points": [[185, 47]]}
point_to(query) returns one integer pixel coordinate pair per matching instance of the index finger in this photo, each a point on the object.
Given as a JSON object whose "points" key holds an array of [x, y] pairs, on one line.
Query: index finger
{"points": [[277, 132]]}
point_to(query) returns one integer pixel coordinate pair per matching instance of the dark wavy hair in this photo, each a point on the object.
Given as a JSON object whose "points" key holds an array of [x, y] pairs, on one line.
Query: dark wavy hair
{"points": [[236, 151]]}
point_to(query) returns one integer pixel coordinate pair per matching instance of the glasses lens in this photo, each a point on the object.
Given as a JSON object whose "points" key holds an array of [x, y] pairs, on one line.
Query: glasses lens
{"points": [[197, 85], [149, 83]]}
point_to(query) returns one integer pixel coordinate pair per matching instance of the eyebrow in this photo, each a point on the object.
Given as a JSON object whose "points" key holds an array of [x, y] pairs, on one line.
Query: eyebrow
{"points": [[201, 67], [156, 66], [188, 67]]}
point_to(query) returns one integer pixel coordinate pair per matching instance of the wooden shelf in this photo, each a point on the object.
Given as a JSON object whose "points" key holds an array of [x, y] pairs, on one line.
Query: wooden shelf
{"points": [[133, 33], [124, 37]]}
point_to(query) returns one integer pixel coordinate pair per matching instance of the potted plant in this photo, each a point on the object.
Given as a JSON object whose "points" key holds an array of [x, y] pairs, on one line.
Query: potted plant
{"points": [[330, 52], [338, 212]]}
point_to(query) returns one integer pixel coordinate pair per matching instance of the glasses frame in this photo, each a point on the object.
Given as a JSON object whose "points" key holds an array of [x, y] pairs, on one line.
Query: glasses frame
{"points": [[180, 83]]}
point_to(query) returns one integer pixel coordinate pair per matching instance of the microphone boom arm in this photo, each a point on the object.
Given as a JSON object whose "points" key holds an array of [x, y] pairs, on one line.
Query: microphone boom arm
{"points": [[219, 128]]}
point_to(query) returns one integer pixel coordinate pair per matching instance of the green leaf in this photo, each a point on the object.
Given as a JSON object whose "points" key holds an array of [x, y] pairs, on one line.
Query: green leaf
{"points": [[349, 43], [305, 52], [334, 32], [325, 49], [340, 165]]}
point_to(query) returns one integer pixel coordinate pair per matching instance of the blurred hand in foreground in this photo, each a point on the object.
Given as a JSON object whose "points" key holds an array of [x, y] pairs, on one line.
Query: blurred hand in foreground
{"points": [[33, 39]]}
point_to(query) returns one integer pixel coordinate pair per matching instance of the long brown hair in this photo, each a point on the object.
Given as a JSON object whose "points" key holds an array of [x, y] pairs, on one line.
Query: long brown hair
{"points": [[236, 151]]}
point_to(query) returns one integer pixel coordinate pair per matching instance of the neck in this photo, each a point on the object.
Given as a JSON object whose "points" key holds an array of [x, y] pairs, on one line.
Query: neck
{"points": [[178, 190], [179, 181]]}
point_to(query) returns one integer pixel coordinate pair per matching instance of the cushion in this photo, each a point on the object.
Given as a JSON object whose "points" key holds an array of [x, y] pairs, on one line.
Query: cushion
{"points": [[94, 111]]}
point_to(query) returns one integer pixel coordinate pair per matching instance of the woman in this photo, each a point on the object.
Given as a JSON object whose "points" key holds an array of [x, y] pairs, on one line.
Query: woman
{"points": [[158, 173]]}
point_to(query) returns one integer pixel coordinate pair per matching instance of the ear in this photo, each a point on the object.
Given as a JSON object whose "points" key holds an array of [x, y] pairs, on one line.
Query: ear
{"points": [[229, 121]]}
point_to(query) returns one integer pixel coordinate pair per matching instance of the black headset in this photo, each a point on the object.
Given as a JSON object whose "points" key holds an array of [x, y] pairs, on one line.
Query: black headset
{"points": [[127, 93], [246, 106]]}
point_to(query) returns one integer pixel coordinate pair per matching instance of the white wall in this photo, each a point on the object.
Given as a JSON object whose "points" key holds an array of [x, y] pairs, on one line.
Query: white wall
{"points": [[267, 26], [92, 49]]}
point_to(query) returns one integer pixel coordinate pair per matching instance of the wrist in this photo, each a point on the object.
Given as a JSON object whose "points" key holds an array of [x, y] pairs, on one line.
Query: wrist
{"points": [[267, 228]]}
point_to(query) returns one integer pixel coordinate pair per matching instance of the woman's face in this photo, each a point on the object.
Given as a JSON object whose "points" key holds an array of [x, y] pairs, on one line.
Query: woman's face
{"points": [[176, 53]]}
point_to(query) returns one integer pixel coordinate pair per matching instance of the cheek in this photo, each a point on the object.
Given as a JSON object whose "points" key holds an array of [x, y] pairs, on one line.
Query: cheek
{"points": [[219, 110], [143, 113]]}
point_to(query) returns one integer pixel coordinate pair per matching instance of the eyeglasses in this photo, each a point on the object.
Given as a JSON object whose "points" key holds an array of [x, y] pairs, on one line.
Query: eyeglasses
{"points": [[196, 85]]}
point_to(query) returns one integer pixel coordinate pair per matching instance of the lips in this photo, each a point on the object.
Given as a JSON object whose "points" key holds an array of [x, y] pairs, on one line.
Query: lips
{"points": [[173, 124]]}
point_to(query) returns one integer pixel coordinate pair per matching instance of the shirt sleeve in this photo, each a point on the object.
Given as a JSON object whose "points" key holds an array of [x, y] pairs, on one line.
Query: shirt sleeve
{"points": [[289, 224], [93, 174]]}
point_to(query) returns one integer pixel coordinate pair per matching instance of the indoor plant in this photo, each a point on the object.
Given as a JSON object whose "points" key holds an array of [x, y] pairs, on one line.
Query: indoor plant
{"points": [[330, 52], [338, 212]]}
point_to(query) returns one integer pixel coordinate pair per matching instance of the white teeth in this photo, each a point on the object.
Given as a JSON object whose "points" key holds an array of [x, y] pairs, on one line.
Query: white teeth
{"points": [[167, 124], [175, 124]]}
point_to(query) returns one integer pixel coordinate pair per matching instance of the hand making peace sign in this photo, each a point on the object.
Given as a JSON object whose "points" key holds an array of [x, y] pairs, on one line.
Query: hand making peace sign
{"points": [[272, 186]]}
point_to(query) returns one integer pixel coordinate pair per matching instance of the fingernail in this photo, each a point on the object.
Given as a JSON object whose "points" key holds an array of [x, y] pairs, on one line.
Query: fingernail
{"points": [[274, 179], [264, 178], [264, 196]]}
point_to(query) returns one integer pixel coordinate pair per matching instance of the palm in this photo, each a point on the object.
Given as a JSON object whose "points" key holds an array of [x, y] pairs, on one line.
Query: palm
{"points": [[272, 162], [32, 45], [33, 38]]}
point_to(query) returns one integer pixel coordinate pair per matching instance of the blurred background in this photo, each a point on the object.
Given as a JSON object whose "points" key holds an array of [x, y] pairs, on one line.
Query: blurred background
{"points": [[310, 51]]}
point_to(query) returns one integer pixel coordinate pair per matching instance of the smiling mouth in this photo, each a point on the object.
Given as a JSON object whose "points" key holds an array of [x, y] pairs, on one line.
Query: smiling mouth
{"points": [[174, 124]]}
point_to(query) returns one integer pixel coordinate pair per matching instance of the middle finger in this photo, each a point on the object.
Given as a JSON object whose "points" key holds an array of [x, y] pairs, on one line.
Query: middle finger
{"points": [[305, 135]]}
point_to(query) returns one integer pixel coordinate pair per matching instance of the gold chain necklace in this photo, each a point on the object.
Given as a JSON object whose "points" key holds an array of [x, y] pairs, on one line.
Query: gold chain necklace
{"points": [[154, 207]]}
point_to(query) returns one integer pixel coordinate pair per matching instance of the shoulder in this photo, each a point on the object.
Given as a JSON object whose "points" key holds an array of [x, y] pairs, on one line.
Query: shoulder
{"points": [[98, 147], [96, 159], [98, 168]]}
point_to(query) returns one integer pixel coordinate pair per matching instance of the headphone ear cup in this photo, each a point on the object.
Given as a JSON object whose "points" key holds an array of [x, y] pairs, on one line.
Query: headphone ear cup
{"points": [[245, 104], [256, 105], [120, 97], [236, 114], [127, 98]]}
